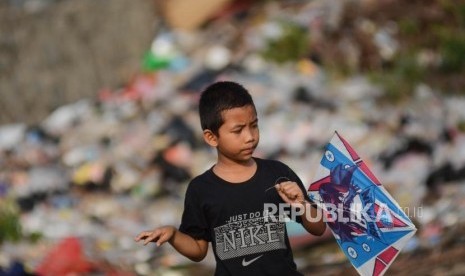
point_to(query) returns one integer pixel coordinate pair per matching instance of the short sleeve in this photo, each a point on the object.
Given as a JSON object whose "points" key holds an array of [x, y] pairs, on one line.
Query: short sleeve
{"points": [[193, 222]]}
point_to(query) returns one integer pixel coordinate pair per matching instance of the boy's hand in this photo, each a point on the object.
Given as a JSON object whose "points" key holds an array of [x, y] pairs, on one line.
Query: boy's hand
{"points": [[291, 193], [159, 235]]}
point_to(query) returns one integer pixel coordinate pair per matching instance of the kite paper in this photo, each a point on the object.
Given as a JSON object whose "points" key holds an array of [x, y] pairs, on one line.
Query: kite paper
{"points": [[368, 224]]}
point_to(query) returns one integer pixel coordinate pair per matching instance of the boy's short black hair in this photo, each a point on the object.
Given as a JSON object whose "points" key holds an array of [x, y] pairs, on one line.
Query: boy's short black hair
{"points": [[220, 96]]}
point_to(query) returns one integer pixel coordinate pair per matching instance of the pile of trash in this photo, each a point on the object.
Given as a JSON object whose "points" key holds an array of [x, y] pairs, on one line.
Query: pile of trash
{"points": [[77, 187]]}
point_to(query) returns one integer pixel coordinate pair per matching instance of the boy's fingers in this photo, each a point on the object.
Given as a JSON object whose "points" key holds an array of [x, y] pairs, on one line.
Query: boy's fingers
{"points": [[142, 235], [147, 236], [163, 238], [289, 189], [282, 186], [284, 196], [153, 237]]}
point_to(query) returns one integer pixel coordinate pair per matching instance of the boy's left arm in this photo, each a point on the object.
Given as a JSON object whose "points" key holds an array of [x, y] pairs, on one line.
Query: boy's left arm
{"points": [[312, 221]]}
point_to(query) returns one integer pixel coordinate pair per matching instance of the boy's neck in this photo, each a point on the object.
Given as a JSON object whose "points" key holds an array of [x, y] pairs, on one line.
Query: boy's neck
{"points": [[235, 172]]}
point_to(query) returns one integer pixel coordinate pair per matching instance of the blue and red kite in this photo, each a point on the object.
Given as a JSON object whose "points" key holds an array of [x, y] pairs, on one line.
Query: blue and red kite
{"points": [[368, 224]]}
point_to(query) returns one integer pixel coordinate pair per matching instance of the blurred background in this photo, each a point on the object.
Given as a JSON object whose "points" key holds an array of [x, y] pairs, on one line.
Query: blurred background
{"points": [[99, 133]]}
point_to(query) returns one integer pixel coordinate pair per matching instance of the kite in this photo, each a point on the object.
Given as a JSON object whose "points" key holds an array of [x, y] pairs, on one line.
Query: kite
{"points": [[368, 224]]}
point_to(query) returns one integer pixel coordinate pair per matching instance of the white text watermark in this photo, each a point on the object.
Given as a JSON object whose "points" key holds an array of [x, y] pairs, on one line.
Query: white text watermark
{"points": [[357, 213]]}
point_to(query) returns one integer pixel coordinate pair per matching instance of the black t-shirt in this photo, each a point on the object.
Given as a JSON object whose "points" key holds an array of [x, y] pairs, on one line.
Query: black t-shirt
{"points": [[231, 216]]}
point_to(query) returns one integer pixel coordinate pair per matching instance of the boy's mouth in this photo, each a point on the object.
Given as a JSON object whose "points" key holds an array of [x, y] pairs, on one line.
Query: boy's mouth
{"points": [[249, 150]]}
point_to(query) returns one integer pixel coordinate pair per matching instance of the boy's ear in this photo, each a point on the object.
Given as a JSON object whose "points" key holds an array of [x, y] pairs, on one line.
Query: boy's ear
{"points": [[210, 138]]}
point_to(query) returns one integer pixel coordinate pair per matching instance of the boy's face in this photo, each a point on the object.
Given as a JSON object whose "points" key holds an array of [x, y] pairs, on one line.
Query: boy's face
{"points": [[238, 136]]}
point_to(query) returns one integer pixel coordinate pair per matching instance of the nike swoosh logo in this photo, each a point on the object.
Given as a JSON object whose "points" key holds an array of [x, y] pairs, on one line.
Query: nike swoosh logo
{"points": [[246, 263]]}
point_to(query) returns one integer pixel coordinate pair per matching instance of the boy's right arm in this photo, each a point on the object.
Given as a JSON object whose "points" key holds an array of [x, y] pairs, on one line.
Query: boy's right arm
{"points": [[196, 250]]}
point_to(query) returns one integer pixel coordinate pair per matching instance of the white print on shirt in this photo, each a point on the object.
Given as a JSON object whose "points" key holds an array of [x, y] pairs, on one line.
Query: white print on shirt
{"points": [[241, 237], [247, 263]]}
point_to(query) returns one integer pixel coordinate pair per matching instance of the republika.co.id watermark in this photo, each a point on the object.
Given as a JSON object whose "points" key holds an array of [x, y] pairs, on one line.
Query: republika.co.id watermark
{"points": [[358, 213]]}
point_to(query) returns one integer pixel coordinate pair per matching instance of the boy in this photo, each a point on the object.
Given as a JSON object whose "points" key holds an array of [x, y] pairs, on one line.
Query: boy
{"points": [[226, 204]]}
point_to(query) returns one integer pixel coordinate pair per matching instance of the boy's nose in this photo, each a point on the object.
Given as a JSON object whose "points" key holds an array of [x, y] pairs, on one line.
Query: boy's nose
{"points": [[249, 135]]}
